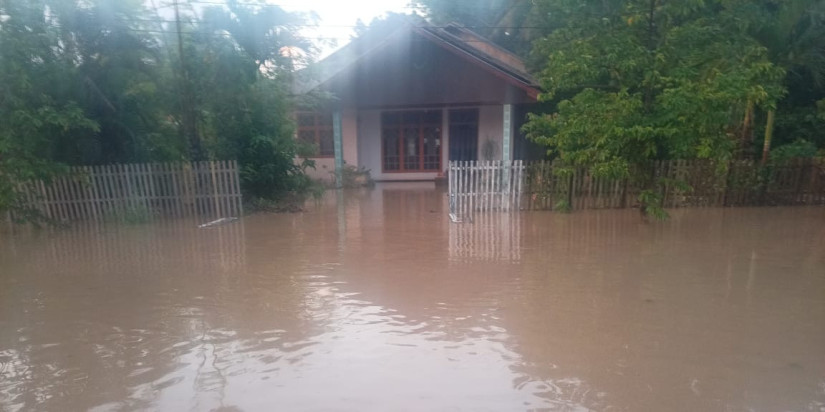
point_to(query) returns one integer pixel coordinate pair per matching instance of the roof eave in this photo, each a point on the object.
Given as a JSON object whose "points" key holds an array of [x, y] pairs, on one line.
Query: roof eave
{"points": [[527, 86]]}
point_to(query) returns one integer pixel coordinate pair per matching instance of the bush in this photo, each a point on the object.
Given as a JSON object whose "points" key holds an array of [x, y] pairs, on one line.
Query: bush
{"points": [[799, 148], [352, 177]]}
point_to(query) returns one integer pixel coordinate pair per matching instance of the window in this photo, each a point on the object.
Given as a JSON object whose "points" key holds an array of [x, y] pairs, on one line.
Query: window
{"points": [[316, 128], [411, 141]]}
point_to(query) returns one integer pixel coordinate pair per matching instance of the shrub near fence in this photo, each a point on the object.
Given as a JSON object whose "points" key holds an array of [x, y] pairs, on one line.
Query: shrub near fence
{"points": [[687, 183], [209, 189], [545, 188]]}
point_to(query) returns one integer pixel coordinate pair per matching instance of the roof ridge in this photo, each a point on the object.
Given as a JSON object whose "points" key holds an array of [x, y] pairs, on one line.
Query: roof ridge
{"points": [[486, 40]]}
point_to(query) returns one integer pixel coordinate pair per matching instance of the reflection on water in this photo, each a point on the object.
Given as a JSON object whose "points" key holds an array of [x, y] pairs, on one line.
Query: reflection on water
{"points": [[373, 300], [488, 236]]}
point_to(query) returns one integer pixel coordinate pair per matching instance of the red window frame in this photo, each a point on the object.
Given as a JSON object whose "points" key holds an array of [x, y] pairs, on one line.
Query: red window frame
{"points": [[314, 126], [423, 124]]}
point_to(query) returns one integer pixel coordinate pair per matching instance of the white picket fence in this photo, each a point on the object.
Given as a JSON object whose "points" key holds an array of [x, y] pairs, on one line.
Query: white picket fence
{"points": [[485, 186], [209, 189]]}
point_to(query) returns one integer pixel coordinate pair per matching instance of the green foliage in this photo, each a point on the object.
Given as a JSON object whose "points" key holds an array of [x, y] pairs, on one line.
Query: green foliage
{"points": [[793, 31], [636, 81], [651, 201], [242, 109], [86, 82], [631, 82], [563, 206], [354, 177], [291, 202], [796, 149], [707, 71], [513, 24], [34, 112]]}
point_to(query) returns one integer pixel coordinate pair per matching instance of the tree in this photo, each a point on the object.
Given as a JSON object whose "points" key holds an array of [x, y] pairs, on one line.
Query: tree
{"points": [[793, 32], [643, 80], [513, 24], [103, 81], [35, 110], [241, 76]]}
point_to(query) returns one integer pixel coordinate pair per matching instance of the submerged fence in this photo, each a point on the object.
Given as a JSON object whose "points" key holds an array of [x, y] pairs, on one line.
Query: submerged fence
{"points": [[203, 189], [680, 183], [485, 185]]}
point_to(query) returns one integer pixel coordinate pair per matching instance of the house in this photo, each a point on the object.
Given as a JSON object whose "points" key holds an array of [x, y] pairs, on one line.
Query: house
{"points": [[409, 102]]}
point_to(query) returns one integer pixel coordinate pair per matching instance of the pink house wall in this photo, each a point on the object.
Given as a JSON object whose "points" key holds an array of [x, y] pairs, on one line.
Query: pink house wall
{"points": [[369, 141], [325, 166], [361, 138]]}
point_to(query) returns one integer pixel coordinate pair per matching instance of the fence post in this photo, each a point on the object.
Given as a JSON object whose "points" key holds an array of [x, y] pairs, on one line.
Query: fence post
{"points": [[450, 187], [520, 183], [463, 184], [460, 187], [215, 201], [239, 196]]}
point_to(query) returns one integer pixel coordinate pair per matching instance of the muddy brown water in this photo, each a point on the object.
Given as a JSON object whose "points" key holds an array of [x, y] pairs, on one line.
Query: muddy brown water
{"points": [[374, 301]]}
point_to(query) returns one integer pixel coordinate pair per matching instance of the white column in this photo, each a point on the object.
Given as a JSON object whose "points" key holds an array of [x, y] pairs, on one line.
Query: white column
{"points": [[445, 140], [507, 131], [339, 149]]}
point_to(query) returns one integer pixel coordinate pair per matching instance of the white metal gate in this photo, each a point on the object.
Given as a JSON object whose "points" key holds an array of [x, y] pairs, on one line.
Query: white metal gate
{"points": [[484, 186]]}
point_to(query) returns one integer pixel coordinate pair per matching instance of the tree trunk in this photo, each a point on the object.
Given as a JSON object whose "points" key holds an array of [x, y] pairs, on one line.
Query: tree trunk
{"points": [[766, 148], [745, 144]]}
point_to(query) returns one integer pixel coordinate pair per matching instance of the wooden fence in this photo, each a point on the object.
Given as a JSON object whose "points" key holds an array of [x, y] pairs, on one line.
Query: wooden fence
{"points": [[208, 189], [501, 185], [682, 183]]}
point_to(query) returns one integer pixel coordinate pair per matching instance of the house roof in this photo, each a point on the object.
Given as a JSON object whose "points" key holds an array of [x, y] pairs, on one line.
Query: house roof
{"points": [[454, 38]]}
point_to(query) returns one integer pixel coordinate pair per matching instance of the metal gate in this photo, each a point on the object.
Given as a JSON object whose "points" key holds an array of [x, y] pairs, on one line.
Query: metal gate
{"points": [[484, 186]]}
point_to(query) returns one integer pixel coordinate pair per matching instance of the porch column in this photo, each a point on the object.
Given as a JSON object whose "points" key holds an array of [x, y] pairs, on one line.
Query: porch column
{"points": [[507, 132], [339, 149], [505, 144]]}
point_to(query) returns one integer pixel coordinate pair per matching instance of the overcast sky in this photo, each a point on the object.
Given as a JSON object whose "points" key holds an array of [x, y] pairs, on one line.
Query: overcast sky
{"points": [[336, 17]]}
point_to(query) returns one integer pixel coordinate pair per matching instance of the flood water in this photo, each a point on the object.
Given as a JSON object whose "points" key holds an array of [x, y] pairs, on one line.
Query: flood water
{"points": [[374, 301]]}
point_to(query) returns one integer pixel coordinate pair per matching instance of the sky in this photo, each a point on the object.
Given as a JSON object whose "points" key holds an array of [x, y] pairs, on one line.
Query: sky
{"points": [[336, 18]]}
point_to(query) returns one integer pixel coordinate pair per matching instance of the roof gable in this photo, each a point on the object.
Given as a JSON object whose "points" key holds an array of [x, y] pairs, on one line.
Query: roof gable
{"points": [[483, 50], [456, 40]]}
